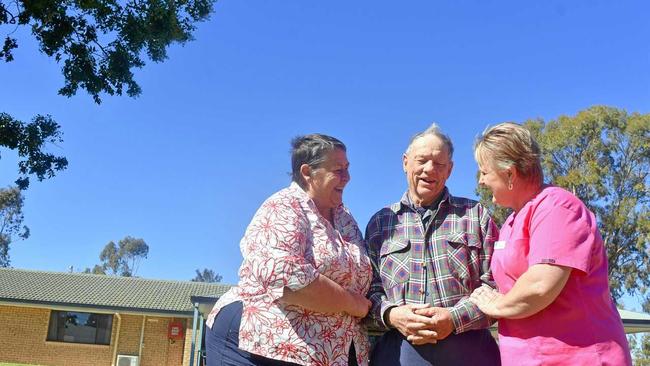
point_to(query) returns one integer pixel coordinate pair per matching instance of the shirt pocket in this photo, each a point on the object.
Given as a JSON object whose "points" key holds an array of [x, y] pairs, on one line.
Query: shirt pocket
{"points": [[394, 259], [463, 252]]}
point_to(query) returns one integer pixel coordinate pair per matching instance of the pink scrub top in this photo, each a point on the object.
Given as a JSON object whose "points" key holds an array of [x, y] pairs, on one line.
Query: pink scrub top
{"points": [[582, 325]]}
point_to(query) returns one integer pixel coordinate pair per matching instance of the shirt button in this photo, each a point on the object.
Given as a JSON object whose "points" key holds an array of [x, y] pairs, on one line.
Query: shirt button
{"points": [[422, 292]]}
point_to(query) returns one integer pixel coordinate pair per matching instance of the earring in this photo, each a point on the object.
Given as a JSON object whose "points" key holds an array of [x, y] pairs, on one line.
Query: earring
{"points": [[509, 185]]}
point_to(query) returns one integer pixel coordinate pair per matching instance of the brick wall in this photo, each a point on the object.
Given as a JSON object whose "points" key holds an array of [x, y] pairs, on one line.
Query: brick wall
{"points": [[188, 345], [23, 340], [158, 350]]}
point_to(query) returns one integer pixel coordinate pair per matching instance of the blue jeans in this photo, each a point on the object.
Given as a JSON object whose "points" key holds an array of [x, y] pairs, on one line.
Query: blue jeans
{"points": [[471, 348], [222, 342]]}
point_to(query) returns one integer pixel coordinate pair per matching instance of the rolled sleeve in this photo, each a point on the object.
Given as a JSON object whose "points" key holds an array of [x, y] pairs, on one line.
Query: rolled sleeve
{"points": [[291, 272], [275, 245]]}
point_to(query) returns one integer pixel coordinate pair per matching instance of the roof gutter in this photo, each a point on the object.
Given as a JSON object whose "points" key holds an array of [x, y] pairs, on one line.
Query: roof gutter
{"points": [[96, 308]]}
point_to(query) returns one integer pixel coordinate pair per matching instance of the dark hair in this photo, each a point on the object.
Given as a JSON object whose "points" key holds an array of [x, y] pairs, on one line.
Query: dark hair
{"points": [[311, 150]]}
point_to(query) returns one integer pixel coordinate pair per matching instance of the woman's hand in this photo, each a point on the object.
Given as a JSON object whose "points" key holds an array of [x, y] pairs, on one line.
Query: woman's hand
{"points": [[533, 291], [487, 299], [359, 305]]}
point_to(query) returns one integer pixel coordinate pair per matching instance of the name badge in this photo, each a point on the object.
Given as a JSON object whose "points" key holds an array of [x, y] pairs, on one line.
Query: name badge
{"points": [[500, 244]]}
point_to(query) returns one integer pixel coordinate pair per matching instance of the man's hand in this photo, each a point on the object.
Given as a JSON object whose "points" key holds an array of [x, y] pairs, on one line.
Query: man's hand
{"points": [[441, 322], [407, 321], [486, 299]]}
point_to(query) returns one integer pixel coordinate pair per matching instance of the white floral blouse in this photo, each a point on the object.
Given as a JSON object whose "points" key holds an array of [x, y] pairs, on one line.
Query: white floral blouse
{"points": [[288, 243]]}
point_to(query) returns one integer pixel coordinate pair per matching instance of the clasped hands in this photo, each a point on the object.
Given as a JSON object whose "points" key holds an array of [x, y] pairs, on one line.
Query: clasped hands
{"points": [[421, 323]]}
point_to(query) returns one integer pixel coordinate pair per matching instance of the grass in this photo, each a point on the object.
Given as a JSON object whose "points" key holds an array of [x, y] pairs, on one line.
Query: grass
{"points": [[15, 364]]}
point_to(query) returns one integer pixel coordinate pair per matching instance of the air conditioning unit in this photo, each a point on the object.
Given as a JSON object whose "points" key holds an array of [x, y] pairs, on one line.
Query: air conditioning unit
{"points": [[126, 360]]}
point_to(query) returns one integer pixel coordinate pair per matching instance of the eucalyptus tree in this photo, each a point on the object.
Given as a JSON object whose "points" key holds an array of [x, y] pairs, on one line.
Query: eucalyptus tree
{"points": [[602, 155]]}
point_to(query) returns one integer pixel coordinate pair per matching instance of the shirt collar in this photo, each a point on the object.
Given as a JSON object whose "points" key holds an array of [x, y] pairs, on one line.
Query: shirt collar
{"points": [[299, 192], [405, 202], [304, 197]]}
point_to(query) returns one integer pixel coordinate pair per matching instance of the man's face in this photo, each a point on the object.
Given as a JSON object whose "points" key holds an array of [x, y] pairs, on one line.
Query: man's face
{"points": [[427, 166]]}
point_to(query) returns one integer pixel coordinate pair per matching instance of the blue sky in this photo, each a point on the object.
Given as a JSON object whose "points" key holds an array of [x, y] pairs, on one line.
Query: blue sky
{"points": [[185, 165]]}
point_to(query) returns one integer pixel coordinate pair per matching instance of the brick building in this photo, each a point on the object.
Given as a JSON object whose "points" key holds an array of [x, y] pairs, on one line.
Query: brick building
{"points": [[53, 318]]}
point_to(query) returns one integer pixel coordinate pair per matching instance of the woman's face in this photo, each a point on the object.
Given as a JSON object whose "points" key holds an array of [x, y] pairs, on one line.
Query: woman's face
{"points": [[497, 182], [326, 183]]}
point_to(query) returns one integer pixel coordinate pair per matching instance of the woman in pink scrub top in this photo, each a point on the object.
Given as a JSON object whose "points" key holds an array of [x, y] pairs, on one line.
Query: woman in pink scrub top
{"points": [[550, 264]]}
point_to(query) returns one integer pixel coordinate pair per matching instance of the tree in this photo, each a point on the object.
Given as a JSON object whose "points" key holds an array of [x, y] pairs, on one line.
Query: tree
{"points": [[499, 214], [207, 275], [97, 269], [602, 155], [30, 140], [99, 42], [11, 219], [640, 348], [122, 259]]}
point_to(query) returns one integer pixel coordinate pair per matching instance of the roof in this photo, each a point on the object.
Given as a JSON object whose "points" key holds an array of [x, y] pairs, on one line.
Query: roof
{"points": [[102, 292], [635, 322]]}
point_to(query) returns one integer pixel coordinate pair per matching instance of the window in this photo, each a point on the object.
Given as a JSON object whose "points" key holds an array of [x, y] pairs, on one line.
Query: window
{"points": [[75, 327]]}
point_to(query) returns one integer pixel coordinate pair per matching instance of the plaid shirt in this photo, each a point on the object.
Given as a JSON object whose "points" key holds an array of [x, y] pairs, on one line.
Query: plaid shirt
{"points": [[440, 264]]}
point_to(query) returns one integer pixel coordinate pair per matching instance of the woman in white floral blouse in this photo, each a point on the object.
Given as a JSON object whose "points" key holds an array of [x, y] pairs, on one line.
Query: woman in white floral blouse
{"points": [[302, 284]]}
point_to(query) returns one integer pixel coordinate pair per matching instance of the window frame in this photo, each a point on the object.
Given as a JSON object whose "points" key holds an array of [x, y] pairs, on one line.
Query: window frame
{"points": [[103, 335]]}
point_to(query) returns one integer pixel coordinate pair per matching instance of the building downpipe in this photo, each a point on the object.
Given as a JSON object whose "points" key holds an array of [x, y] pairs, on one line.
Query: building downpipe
{"points": [[117, 338]]}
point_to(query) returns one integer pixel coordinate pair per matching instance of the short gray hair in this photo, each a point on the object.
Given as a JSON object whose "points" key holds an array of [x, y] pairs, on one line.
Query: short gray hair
{"points": [[434, 130]]}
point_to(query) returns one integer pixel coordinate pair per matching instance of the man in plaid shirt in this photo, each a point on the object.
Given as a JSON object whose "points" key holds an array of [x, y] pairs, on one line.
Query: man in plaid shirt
{"points": [[429, 252]]}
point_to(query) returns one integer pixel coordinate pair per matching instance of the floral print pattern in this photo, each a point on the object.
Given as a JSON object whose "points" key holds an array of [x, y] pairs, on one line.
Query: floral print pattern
{"points": [[288, 243]]}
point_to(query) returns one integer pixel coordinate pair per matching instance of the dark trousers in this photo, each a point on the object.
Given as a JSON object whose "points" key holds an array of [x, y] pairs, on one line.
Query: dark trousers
{"points": [[471, 348], [222, 342]]}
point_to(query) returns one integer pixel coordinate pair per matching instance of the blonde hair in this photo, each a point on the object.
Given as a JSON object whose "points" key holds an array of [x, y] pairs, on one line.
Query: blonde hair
{"points": [[510, 145]]}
